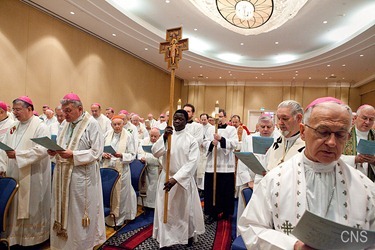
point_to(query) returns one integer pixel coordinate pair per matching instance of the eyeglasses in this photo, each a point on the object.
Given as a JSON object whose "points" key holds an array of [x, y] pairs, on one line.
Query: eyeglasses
{"points": [[325, 133]]}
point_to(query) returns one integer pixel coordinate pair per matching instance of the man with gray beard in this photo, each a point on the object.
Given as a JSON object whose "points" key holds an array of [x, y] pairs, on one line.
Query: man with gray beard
{"points": [[289, 115]]}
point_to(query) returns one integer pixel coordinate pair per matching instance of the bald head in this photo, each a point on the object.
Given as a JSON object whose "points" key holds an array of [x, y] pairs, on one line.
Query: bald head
{"points": [[95, 110], [154, 134]]}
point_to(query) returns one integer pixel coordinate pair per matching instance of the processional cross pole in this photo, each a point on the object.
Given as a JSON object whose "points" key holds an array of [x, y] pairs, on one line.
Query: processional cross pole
{"points": [[172, 50]]}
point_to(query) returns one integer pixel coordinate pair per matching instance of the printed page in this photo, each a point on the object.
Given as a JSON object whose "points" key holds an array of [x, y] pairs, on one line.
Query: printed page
{"points": [[249, 159], [320, 233]]}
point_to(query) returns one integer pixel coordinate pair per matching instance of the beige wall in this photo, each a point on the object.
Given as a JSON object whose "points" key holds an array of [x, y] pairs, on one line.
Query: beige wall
{"points": [[45, 58], [367, 93], [241, 99]]}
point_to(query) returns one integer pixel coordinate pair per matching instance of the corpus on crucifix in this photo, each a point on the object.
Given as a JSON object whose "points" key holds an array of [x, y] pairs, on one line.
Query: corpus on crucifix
{"points": [[173, 47]]}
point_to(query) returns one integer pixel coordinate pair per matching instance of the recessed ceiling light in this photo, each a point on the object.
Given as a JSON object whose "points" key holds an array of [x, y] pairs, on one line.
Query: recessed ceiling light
{"points": [[332, 74], [146, 48], [113, 34], [276, 42], [343, 78], [256, 77], [296, 74], [241, 43], [167, 1], [189, 67], [262, 74], [296, 71], [326, 78], [72, 13], [230, 74], [219, 77], [328, 65], [361, 55], [343, 65], [201, 66], [310, 77], [195, 29], [325, 22], [206, 77]]}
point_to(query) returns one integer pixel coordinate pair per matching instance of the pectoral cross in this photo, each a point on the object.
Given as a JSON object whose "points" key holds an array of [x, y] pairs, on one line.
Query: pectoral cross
{"points": [[172, 50], [173, 47]]}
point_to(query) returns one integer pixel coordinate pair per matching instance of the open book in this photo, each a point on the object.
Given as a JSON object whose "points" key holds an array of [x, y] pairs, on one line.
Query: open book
{"points": [[109, 149], [366, 147], [47, 143], [5, 147], [147, 148], [261, 144], [320, 233], [250, 160]]}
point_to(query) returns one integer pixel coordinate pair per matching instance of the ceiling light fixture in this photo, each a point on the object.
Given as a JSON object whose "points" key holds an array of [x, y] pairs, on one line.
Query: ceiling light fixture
{"points": [[247, 14], [250, 17]]}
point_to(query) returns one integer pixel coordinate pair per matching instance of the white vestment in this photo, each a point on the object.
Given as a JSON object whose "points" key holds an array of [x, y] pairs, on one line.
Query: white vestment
{"points": [[185, 215], [4, 126], [132, 129], [202, 159], [127, 199], [85, 175], [244, 174], [49, 122], [32, 170], [334, 191], [142, 132], [225, 156], [152, 174], [104, 123], [283, 149]]}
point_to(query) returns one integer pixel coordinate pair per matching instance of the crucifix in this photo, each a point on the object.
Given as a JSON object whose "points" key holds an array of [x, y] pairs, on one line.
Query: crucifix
{"points": [[172, 50]]}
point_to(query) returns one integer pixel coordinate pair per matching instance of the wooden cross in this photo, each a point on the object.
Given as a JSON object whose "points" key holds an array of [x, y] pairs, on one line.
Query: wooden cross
{"points": [[173, 47], [172, 50]]}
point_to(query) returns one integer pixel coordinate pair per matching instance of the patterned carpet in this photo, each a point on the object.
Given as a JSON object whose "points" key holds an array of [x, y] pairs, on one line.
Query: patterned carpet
{"points": [[133, 237]]}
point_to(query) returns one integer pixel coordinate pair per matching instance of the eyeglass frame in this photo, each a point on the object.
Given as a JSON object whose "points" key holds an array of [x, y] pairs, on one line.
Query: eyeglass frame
{"points": [[326, 137]]}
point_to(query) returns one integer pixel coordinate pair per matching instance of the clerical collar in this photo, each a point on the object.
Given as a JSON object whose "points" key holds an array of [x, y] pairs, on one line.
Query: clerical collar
{"points": [[361, 135], [293, 137], [317, 166], [222, 125], [79, 119], [4, 119]]}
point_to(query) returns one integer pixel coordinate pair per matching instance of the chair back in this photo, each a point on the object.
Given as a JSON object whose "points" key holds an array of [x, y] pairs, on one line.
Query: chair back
{"points": [[109, 177], [8, 188], [137, 169], [246, 194]]}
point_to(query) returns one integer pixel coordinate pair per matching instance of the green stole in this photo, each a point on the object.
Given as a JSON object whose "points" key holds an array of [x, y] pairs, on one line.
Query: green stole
{"points": [[351, 149]]}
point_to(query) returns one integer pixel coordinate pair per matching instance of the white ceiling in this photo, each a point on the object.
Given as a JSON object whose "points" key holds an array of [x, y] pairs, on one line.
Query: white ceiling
{"points": [[309, 52]]}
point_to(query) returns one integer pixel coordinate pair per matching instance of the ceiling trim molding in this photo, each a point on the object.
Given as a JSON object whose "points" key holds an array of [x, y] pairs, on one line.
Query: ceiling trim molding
{"points": [[268, 84], [364, 81]]}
